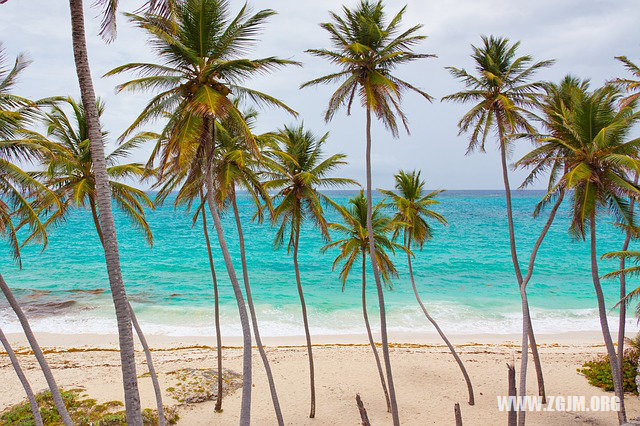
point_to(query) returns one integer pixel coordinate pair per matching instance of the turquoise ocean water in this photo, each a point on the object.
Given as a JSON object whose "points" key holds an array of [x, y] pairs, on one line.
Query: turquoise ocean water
{"points": [[464, 274]]}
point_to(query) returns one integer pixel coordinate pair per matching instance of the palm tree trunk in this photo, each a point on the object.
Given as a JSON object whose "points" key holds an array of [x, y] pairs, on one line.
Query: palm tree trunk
{"points": [[245, 410], [376, 275], [305, 320], [138, 329], [35, 410], [216, 302], [103, 198], [622, 318], [152, 370], [31, 338], [252, 312], [526, 320], [604, 324], [369, 334], [525, 281], [435, 324]]}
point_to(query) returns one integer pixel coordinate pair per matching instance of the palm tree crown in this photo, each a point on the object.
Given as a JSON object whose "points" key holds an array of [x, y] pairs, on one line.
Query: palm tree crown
{"points": [[599, 156], [298, 171], [24, 199], [501, 91], [356, 241], [631, 85], [413, 207], [69, 170], [368, 47]]}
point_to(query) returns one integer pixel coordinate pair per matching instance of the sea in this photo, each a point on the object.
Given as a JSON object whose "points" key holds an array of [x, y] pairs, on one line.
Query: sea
{"points": [[464, 275]]}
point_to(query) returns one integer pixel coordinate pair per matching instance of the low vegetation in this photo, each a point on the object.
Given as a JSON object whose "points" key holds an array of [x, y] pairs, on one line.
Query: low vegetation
{"points": [[83, 411]]}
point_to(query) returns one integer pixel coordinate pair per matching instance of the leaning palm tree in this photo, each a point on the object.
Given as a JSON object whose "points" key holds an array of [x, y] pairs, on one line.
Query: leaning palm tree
{"points": [[33, 404], [503, 97], [626, 271], [69, 172], [368, 47], [632, 87], [103, 202], [356, 245], [23, 198], [413, 208], [298, 171], [236, 167], [202, 50], [598, 162]]}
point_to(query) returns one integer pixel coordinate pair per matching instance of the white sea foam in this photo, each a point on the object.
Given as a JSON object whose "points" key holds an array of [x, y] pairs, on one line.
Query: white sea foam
{"points": [[286, 321]]}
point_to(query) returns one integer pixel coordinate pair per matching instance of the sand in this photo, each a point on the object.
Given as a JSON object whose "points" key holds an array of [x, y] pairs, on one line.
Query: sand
{"points": [[427, 380]]}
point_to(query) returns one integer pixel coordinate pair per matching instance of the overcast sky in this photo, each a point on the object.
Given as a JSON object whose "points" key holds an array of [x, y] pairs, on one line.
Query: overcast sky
{"points": [[583, 37]]}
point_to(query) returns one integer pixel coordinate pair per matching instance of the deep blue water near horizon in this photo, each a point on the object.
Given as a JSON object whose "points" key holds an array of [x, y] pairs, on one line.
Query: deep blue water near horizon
{"points": [[465, 275]]}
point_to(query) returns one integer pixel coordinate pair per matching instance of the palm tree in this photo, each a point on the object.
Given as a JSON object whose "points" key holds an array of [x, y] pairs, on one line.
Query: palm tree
{"points": [[103, 202], [355, 245], [298, 171], [633, 88], [626, 271], [630, 85], [24, 199], [547, 157], [368, 48], [69, 169], [202, 47], [69, 173], [413, 208], [35, 411], [598, 162], [504, 97], [236, 167]]}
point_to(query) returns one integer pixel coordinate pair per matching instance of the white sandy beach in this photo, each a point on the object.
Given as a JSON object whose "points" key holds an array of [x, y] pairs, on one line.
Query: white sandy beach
{"points": [[428, 381]]}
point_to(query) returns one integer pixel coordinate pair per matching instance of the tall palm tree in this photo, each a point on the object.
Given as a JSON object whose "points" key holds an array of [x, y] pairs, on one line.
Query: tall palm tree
{"points": [[356, 245], [503, 97], [23, 197], [69, 173], [298, 171], [368, 47], [413, 208], [202, 50], [103, 202], [631, 86], [626, 271], [597, 175], [236, 167]]}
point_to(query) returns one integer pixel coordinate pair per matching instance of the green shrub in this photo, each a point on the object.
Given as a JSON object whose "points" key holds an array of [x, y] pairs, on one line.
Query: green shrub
{"points": [[83, 411], [598, 372]]}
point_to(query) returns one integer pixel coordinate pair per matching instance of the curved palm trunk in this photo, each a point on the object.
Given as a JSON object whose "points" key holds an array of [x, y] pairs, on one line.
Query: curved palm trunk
{"points": [[103, 198], [31, 338], [604, 324], [216, 302], [138, 329], [152, 370], [35, 410], [369, 334], [437, 327], [312, 379], [526, 319], [622, 318], [245, 410], [252, 312], [376, 275]]}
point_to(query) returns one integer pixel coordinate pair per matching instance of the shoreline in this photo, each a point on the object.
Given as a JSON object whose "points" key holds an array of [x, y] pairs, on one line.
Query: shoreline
{"points": [[428, 381]]}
